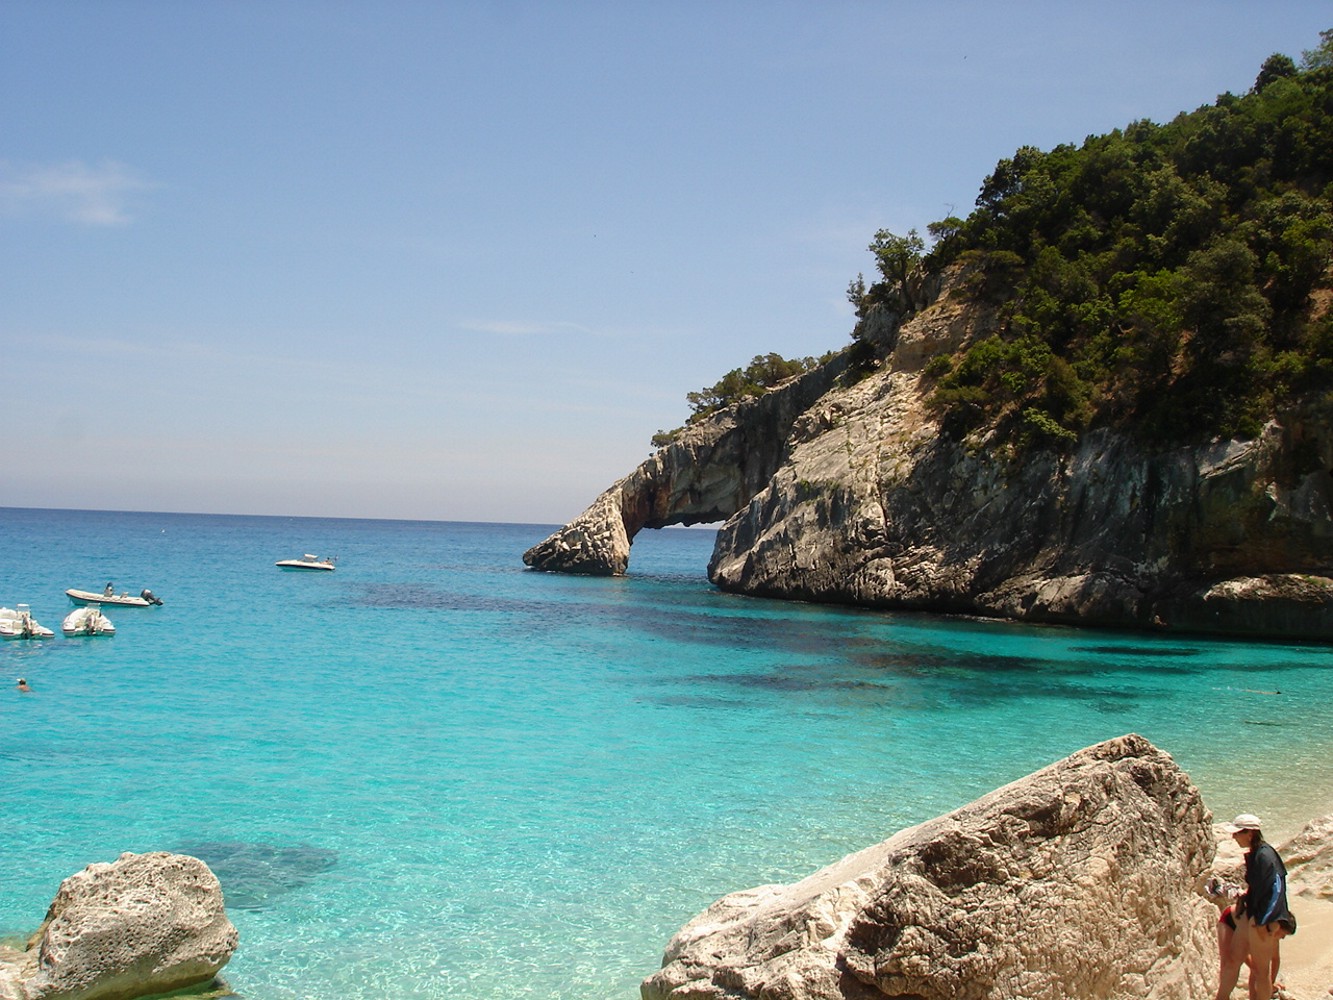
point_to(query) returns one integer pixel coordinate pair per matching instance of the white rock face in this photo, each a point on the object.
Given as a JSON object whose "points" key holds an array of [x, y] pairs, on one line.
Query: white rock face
{"points": [[1309, 859], [594, 544], [141, 925], [1077, 881]]}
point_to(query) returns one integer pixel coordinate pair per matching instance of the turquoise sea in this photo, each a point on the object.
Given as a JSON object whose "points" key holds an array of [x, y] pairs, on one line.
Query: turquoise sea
{"points": [[436, 774]]}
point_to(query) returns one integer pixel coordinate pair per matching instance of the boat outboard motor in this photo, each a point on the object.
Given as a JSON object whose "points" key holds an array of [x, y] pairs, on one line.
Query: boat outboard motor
{"points": [[148, 596]]}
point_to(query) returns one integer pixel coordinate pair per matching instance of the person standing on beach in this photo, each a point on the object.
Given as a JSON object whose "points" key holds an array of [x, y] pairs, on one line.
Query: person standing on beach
{"points": [[1261, 914], [1232, 955]]}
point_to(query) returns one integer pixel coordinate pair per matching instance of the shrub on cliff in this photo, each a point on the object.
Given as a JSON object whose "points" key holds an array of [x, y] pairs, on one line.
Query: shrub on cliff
{"points": [[1172, 280], [1173, 271], [762, 373]]}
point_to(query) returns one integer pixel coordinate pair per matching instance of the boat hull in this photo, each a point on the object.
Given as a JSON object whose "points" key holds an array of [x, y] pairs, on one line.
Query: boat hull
{"points": [[88, 621], [86, 597], [36, 632], [19, 624]]}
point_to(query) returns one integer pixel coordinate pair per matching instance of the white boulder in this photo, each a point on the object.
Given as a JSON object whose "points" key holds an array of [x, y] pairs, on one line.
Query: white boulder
{"points": [[141, 925], [1077, 881]]}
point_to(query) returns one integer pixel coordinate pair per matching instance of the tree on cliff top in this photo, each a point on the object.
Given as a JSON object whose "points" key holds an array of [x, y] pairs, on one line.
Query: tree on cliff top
{"points": [[898, 260], [762, 373], [1169, 279]]}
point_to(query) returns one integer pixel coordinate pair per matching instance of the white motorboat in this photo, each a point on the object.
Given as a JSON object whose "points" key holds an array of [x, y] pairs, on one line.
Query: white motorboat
{"points": [[87, 620], [145, 599], [18, 623], [307, 561]]}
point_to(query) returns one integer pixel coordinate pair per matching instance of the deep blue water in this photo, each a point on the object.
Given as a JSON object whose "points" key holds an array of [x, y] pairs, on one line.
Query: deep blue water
{"points": [[436, 774]]}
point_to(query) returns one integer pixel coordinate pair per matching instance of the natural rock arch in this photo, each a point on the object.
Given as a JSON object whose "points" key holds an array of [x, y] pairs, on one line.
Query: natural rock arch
{"points": [[712, 470]]}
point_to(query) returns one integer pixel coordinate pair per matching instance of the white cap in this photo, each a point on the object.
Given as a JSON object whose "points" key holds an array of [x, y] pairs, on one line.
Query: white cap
{"points": [[1245, 821]]}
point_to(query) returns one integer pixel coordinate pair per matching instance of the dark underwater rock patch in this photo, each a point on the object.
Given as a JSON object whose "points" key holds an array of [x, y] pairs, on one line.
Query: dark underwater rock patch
{"points": [[1159, 651], [252, 873]]}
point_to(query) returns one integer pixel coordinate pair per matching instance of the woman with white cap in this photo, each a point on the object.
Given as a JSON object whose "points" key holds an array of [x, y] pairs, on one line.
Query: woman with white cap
{"points": [[1261, 915]]}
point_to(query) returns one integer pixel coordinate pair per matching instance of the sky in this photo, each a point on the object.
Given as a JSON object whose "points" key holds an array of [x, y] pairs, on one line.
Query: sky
{"points": [[461, 260]]}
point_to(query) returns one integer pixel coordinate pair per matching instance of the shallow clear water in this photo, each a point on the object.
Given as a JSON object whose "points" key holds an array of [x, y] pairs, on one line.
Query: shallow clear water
{"points": [[435, 774]]}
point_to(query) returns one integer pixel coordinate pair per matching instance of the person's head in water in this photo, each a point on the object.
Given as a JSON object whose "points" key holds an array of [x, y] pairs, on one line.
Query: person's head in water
{"points": [[23, 685]]}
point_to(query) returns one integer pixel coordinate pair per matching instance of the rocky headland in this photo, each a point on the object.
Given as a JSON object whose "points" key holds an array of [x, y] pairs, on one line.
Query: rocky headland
{"points": [[839, 486]]}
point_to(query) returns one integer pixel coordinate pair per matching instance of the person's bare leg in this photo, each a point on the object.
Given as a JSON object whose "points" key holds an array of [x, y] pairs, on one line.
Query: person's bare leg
{"points": [[1231, 955], [1262, 943]]}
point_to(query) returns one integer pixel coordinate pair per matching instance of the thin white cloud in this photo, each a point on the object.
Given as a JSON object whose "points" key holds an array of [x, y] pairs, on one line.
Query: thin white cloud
{"points": [[506, 328], [72, 191]]}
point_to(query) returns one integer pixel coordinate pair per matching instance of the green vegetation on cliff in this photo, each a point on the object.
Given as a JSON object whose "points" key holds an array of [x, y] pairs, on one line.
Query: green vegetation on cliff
{"points": [[761, 374], [1172, 279]]}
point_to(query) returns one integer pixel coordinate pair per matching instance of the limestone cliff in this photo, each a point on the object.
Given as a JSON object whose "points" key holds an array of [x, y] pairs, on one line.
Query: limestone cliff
{"points": [[838, 487]]}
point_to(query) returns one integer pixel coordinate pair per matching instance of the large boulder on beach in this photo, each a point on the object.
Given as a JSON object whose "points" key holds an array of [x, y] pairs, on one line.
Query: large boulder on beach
{"points": [[1077, 881], [141, 925]]}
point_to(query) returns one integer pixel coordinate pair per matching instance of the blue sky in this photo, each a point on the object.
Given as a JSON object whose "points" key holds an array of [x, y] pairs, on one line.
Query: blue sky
{"points": [[460, 261]]}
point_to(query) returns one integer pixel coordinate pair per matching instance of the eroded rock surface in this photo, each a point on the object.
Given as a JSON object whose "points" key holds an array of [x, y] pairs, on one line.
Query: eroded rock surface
{"points": [[1309, 859], [144, 924], [1077, 881]]}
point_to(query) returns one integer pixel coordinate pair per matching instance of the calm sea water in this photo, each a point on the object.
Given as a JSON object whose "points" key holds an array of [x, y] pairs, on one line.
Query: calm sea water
{"points": [[435, 774]]}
